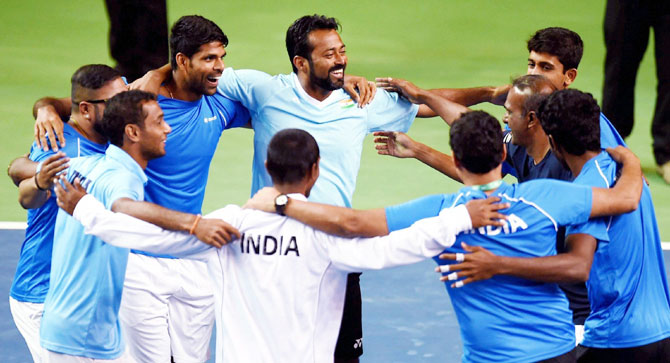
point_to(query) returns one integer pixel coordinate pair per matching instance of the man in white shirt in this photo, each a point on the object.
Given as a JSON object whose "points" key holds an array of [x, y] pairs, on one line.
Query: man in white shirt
{"points": [[283, 292]]}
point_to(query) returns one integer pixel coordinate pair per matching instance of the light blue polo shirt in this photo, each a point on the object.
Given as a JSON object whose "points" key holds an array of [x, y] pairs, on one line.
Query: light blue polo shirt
{"points": [[81, 308], [31, 280], [338, 125]]}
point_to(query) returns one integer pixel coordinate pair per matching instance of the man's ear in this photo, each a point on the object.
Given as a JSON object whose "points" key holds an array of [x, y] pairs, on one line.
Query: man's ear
{"points": [[182, 60], [314, 172], [531, 119], [132, 132], [85, 109], [301, 64], [570, 76]]}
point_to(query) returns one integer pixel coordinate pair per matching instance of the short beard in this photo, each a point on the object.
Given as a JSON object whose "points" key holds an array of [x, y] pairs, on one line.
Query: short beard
{"points": [[325, 83]]}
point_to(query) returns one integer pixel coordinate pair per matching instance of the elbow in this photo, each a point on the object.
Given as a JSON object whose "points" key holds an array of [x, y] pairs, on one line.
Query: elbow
{"points": [[578, 272]]}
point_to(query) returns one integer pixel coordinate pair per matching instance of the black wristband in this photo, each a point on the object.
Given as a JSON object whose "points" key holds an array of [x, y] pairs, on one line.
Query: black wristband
{"points": [[38, 185]]}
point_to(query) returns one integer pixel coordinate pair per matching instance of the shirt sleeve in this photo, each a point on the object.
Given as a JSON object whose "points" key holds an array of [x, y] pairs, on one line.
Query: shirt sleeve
{"points": [[124, 231], [404, 215], [424, 239], [238, 85], [596, 227], [390, 112], [124, 186], [563, 202], [609, 137]]}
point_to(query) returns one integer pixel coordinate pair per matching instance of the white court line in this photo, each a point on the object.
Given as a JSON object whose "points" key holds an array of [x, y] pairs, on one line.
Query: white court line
{"points": [[22, 225], [13, 225]]}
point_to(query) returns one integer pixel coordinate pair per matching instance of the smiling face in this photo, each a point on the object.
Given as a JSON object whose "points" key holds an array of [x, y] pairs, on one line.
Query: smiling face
{"points": [[204, 68], [328, 59], [549, 66], [515, 117], [153, 131]]}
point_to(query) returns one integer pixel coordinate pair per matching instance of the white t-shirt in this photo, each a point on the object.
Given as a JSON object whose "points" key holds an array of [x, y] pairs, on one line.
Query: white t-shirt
{"points": [[280, 288]]}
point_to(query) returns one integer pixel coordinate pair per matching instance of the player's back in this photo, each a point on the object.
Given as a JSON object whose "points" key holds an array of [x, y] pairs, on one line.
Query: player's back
{"points": [[282, 298], [628, 286], [510, 319]]}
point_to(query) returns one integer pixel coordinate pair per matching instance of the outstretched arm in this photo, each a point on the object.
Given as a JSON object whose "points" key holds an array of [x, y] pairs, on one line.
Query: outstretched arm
{"points": [[480, 264], [462, 96], [625, 196], [400, 145], [349, 222], [448, 110]]}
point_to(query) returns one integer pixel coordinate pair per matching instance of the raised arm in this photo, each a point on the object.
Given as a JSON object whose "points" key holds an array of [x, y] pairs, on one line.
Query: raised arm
{"points": [[480, 264], [152, 80], [462, 96], [49, 114], [448, 110], [624, 197], [400, 145]]}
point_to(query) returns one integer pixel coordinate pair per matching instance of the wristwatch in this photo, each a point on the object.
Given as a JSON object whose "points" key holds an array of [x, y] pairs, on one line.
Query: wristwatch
{"points": [[280, 203]]}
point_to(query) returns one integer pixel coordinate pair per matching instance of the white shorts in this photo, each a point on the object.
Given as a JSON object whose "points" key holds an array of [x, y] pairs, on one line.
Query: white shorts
{"points": [[53, 357], [167, 309], [27, 317]]}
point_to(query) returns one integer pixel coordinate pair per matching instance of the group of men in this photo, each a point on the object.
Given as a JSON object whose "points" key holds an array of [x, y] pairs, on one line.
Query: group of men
{"points": [[89, 299]]}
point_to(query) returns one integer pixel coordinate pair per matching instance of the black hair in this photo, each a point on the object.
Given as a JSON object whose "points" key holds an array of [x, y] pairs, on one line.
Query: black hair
{"points": [[297, 35], [123, 109], [291, 154], [90, 77], [563, 43], [476, 140], [189, 33], [534, 87], [572, 118]]}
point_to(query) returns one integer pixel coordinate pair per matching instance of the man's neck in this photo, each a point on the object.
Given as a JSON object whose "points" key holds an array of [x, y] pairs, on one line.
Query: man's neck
{"points": [[576, 162], [297, 188], [311, 89], [134, 151], [177, 88], [85, 129], [539, 148], [472, 179]]}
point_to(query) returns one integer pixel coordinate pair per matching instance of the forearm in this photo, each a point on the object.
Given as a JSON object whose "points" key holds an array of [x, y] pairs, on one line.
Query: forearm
{"points": [[61, 106], [466, 96], [424, 239], [155, 214], [448, 110], [339, 221], [559, 268], [437, 160], [30, 197], [21, 168], [124, 231]]}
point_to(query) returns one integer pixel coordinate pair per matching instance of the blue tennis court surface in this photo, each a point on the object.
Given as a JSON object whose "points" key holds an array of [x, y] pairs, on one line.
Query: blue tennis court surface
{"points": [[407, 316]]}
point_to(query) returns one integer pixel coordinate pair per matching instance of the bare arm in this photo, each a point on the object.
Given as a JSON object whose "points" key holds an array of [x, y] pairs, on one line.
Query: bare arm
{"points": [[214, 232], [625, 196], [480, 264], [35, 191], [400, 145], [152, 80], [21, 168], [347, 222]]}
